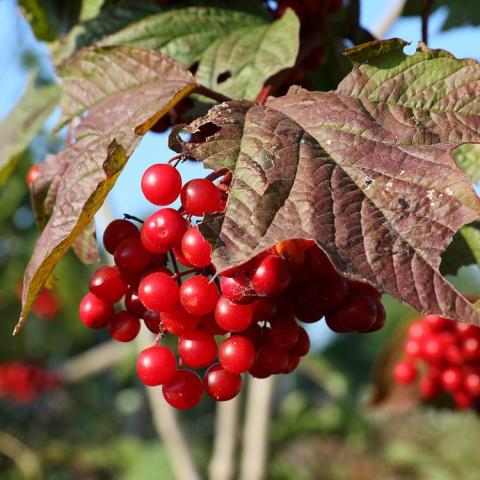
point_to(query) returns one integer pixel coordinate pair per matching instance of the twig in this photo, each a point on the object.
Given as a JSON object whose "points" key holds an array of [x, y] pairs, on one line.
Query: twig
{"points": [[25, 459], [212, 94], [381, 28], [256, 431], [426, 11], [167, 426], [222, 461], [96, 360]]}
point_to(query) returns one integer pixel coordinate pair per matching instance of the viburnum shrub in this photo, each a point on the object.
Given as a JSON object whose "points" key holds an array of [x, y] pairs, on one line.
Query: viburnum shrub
{"points": [[244, 321], [331, 185], [441, 358]]}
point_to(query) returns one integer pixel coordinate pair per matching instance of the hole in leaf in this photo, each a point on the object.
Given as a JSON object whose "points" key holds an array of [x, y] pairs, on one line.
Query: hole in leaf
{"points": [[224, 76], [204, 131]]}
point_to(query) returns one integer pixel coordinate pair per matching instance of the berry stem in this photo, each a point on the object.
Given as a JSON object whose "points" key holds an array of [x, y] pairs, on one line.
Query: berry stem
{"points": [[212, 94], [127, 216], [175, 267]]}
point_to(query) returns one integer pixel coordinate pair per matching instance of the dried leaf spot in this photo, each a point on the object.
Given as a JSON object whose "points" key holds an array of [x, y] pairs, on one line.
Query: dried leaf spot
{"points": [[265, 159]]}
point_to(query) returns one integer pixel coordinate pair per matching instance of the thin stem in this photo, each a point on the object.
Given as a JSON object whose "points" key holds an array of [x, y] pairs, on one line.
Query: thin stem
{"points": [[426, 11], [175, 267], [127, 216], [217, 174], [212, 94], [186, 272]]}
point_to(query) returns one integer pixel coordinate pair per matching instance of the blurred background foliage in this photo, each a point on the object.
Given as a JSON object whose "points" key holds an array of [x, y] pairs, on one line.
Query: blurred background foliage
{"points": [[101, 427]]}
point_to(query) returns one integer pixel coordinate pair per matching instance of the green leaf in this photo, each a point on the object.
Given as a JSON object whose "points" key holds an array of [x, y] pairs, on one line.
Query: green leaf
{"points": [[19, 128], [463, 251], [147, 85], [468, 159], [237, 50], [366, 171], [90, 9], [239, 64]]}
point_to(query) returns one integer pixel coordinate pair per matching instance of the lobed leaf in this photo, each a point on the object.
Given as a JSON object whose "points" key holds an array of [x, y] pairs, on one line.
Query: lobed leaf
{"points": [[108, 134], [366, 171], [19, 128]]}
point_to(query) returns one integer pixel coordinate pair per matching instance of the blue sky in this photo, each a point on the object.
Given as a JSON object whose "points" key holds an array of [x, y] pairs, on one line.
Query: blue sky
{"points": [[16, 37]]}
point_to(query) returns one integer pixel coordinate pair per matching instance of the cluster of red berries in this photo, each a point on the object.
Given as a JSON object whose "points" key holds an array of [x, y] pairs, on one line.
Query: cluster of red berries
{"points": [[443, 356], [23, 383], [254, 307]]}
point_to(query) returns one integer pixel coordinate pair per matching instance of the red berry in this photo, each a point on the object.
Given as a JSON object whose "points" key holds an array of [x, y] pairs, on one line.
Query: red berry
{"points": [[302, 345], [380, 318], [452, 379], [405, 373], [467, 331], [327, 293], [292, 364], [124, 326], [237, 288], [284, 330], [318, 262], [357, 313], [149, 245], [254, 333], [437, 322], [220, 384], [272, 276], [433, 349], [471, 383], [233, 317], [418, 330], [201, 196], [32, 174], [108, 284], [197, 349], [413, 349], [177, 251], [164, 228], [116, 232], [454, 355], [178, 321], [95, 312], [271, 358], [198, 295], [184, 390], [133, 304], [462, 400], [158, 292], [161, 184], [152, 321], [263, 309], [236, 354], [131, 255], [156, 365], [471, 349], [209, 324], [196, 250], [364, 289], [429, 388]]}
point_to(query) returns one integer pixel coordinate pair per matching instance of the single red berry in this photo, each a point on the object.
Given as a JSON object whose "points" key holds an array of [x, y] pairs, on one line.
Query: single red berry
{"points": [[452, 379], [284, 330], [177, 251], [471, 349], [433, 349], [46, 305], [429, 388], [184, 390], [201, 196], [255, 333], [220, 384], [108, 284], [156, 365], [380, 318], [233, 317], [356, 314], [131, 255], [318, 262], [236, 354], [462, 400], [263, 309], [133, 304], [454, 355], [164, 228], [95, 312], [158, 292], [116, 232], [327, 293], [293, 361], [196, 250], [178, 321], [152, 321], [303, 310], [405, 373], [437, 322], [302, 345], [149, 245], [272, 276], [198, 295], [471, 384], [124, 326], [32, 174], [413, 349], [271, 358], [237, 288], [161, 184], [467, 331], [197, 348], [258, 370], [418, 330]]}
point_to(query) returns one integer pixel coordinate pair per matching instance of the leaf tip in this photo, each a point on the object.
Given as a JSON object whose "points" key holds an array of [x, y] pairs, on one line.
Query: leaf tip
{"points": [[375, 48]]}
